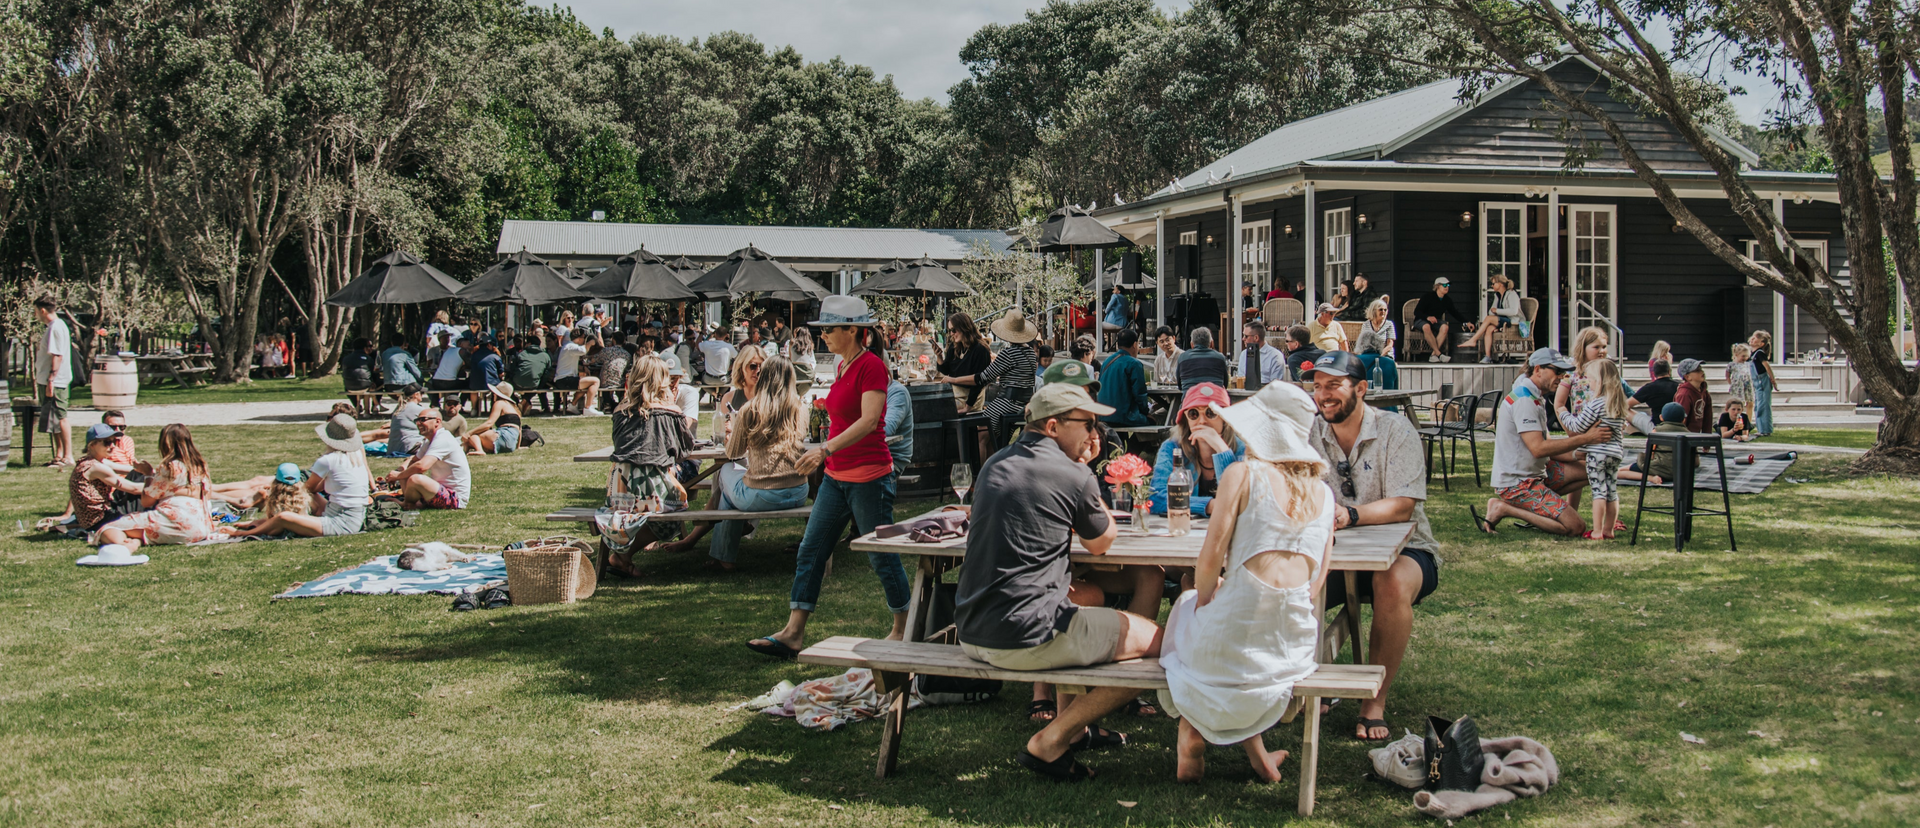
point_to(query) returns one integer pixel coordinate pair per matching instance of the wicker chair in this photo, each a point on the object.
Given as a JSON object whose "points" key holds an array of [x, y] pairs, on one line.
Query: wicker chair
{"points": [[1507, 341], [1281, 314]]}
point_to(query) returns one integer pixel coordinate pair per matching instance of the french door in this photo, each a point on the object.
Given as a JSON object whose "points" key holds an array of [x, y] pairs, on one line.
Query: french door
{"points": [[1503, 247], [1592, 275], [1256, 255]]}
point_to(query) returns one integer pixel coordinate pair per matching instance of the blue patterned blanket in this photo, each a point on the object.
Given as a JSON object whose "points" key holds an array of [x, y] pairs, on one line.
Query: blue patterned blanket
{"points": [[381, 577]]}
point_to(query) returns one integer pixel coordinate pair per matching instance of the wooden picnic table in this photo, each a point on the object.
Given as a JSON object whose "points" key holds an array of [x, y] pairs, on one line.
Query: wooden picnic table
{"points": [[1356, 549], [177, 367]]}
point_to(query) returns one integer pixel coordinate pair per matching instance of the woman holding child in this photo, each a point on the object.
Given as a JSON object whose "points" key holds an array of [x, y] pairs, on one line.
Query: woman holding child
{"points": [[176, 497], [339, 477]]}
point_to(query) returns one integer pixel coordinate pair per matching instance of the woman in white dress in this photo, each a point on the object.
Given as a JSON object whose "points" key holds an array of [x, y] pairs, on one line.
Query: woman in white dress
{"points": [[1240, 637]]}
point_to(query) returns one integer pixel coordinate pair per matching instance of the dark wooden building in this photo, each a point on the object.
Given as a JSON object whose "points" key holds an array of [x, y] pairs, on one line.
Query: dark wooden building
{"points": [[1422, 184]]}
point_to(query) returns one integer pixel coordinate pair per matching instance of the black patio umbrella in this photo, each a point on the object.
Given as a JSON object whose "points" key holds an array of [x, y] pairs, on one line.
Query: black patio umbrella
{"points": [[639, 275], [921, 277], [751, 270], [398, 278], [520, 279], [685, 268], [1072, 228]]}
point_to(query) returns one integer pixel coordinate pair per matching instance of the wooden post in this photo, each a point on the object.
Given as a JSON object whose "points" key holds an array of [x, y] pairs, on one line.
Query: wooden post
{"points": [[893, 688], [1553, 267], [1310, 234], [1160, 268], [1309, 756]]}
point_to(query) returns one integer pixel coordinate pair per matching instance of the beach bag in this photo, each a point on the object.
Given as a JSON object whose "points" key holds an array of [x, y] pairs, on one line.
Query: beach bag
{"points": [[1454, 760], [550, 570], [1525, 328], [381, 514], [530, 438]]}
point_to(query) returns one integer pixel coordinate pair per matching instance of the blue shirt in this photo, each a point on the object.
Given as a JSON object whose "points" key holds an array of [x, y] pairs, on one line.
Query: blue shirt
{"points": [[1163, 468], [1117, 308], [398, 366], [899, 424], [1123, 385], [487, 371]]}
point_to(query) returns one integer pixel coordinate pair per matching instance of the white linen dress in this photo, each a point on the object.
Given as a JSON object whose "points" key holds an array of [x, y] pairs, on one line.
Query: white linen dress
{"points": [[1231, 665]]}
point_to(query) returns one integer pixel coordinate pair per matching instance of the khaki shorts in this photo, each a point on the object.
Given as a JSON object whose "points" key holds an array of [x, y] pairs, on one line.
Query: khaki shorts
{"points": [[1091, 638], [53, 408]]}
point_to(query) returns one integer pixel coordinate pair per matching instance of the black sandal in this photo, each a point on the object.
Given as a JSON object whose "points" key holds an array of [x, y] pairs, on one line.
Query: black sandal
{"points": [[773, 647], [496, 598], [1039, 706], [1142, 707], [1063, 769], [465, 602], [1479, 522], [1369, 725], [1097, 738]]}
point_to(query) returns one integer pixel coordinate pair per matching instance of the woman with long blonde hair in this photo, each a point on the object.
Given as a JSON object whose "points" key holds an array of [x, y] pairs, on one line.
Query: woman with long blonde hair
{"points": [[767, 436], [1245, 631], [745, 379], [650, 438], [175, 498]]}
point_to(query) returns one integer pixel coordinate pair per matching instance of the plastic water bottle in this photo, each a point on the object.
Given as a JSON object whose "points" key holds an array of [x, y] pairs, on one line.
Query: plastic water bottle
{"points": [[1179, 497]]}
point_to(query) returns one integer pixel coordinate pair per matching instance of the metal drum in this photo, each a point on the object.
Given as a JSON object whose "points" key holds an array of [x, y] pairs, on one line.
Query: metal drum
{"points": [[6, 425]]}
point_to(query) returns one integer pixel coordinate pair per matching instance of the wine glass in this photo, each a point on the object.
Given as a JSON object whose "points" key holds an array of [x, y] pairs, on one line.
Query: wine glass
{"points": [[962, 480]]}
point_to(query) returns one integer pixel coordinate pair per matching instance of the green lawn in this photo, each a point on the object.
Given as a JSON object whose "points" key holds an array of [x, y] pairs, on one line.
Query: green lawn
{"points": [[1857, 438], [264, 390], [177, 694]]}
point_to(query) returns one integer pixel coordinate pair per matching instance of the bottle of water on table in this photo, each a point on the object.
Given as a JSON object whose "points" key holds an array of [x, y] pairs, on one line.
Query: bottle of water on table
{"points": [[1179, 496]]}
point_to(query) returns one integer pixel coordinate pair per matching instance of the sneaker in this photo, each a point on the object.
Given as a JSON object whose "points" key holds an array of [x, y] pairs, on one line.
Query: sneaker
{"points": [[1446, 357], [1487, 360], [1433, 358], [589, 411]]}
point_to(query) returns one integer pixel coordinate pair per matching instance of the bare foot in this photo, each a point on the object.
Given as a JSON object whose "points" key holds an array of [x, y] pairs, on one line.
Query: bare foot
{"points": [[1191, 755], [1266, 765]]}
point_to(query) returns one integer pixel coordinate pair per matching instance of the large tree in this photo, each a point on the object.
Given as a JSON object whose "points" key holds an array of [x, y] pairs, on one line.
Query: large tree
{"points": [[1839, 66]]}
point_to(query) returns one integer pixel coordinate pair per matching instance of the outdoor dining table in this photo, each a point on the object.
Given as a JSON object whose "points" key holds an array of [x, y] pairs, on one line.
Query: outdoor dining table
{"points": [[177, 367], [1356, 549]]}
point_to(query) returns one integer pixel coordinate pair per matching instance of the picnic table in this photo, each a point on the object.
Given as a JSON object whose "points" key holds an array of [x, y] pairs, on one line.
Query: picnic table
{"points": [[1356, 549], [178, 367]]}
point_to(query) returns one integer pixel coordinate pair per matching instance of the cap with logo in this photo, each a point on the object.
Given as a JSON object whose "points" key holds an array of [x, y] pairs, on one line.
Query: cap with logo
{"points": [[1688, 366], [1071, 371], [1058, 398], [1336, 364], [1549, 357]]}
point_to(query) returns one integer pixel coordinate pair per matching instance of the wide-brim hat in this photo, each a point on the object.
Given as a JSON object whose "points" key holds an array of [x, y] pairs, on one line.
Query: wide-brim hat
{"points": [[1015, 327], [503, 390], [836, 311], [1274, 423], [340, 433], [112, 554]]}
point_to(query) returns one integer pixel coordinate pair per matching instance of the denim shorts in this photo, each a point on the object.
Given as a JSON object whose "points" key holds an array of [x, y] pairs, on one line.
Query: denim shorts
{"points": [[506, 438]]}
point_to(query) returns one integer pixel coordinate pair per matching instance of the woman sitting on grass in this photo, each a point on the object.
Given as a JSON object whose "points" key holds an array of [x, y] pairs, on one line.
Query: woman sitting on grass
{"points": [[649, 439], [285, 494], [176, 498], [340, 476], [500, 434]]}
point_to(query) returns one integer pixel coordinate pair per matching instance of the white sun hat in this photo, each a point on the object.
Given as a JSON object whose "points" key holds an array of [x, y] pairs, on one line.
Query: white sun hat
{"points": [[112, 554], [1274, 423]]}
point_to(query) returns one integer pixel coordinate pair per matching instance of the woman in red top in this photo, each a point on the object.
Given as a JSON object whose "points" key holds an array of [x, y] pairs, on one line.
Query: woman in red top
{"points": [[859, 482]]}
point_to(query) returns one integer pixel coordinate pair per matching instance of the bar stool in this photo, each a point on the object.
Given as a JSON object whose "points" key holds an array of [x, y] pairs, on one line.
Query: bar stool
{"points": [[1685, 447]]}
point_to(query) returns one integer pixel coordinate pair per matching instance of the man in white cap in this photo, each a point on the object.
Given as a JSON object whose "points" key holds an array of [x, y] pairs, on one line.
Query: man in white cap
{"points": [[1377, 470], [1536, 479], [1015, 608], [1433, 316], [1327, 334]]}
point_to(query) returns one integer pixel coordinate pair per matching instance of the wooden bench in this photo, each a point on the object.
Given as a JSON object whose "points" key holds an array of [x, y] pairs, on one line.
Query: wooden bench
{"points": [[895, 662], [584, 514]]}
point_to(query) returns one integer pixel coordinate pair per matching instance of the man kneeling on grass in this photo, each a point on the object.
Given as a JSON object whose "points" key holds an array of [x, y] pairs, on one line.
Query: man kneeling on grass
{"points": [[1018, 607]]}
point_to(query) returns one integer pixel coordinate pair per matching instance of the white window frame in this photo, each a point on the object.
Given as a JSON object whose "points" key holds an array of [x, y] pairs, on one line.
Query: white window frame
{"points": [[1486, 262], [1190, 237], [1256, 255], [1614, 345], [1753, 254], [1336, 248]]}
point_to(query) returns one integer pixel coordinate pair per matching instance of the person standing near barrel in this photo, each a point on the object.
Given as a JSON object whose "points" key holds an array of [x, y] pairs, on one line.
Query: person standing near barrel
{"points": [[859, 481], [52, 374]]}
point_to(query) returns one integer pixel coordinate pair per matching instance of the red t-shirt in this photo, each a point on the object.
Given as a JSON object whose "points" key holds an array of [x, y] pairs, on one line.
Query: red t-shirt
{"points": [[856, 463]]}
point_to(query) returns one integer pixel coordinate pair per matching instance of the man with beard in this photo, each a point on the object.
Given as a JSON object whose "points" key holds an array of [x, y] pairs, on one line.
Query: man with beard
{"points": [[1378, 474], [1534, 477]]}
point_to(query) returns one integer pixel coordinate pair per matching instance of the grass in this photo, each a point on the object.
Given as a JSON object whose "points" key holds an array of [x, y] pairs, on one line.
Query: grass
{"points": [[176, 693], [262, 390], [1856, 438]]}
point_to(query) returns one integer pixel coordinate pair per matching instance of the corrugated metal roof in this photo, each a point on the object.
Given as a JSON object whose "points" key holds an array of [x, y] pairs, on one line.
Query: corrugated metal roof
{"points": [[1336, 134], [585, 240]]}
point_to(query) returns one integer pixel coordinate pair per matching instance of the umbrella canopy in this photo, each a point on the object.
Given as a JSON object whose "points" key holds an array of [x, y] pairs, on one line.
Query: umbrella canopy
{"points": [[520, 279], [1114, 275], [1071, 228], [751, 270], [398, 278], [639, 275], [685, 268], [921, 277]]}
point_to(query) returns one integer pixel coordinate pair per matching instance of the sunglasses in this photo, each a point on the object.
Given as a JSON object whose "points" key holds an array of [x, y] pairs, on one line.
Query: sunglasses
{"points": [[426, 419], [1086, 422], [1345, 469]]}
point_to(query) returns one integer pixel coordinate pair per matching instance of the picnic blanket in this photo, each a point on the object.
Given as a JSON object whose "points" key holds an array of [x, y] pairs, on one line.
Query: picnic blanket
{"points": [[381, 576], [1751, 478]]}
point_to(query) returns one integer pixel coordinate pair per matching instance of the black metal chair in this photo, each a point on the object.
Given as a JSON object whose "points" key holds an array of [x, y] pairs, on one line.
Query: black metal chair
{"points": [[1454, 421]]}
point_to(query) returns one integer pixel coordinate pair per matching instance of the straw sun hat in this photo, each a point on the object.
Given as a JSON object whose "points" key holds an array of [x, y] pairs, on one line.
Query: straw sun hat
{"points": [[1015, 327]]}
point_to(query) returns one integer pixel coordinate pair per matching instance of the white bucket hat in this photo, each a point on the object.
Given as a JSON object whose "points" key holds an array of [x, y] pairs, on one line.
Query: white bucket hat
{"points": [[1274, 423], [112, 554], [844, 310]]}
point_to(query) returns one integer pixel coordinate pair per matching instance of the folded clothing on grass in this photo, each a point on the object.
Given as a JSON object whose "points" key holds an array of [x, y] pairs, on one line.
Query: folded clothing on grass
{"points": [[383, 576]]}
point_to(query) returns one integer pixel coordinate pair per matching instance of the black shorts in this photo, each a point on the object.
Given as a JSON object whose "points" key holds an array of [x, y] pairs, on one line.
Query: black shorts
{"points": [[447, 385], [1429, 580], [567, 383]]}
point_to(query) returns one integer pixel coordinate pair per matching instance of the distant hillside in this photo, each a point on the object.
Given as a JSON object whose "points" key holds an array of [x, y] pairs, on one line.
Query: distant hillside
{"points": [[1883, 163]]}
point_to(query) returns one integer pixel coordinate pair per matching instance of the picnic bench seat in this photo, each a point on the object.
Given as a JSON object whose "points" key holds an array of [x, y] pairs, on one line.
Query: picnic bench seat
{"points": [[894, 662], [584, 514]]}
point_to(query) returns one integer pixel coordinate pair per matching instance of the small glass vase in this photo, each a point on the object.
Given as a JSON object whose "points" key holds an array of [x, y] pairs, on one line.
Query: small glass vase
{"points": [[1140, 527]]}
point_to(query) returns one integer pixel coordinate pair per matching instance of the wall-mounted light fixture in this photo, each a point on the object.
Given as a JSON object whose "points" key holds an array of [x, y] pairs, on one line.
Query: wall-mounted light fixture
{"points": [[1363, 222], [1676, 226], [1289, 232], [1466, 219]]}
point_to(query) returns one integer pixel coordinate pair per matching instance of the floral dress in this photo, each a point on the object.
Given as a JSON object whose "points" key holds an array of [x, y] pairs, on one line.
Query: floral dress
{"points": [[179, 514], [1740, 382]]}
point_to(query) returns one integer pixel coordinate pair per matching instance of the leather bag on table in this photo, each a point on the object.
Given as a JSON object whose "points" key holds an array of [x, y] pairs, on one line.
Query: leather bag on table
{"points": [[1454, 760]]}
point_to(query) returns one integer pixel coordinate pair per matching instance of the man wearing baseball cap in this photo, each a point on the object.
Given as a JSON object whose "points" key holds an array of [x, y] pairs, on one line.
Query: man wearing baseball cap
{"points": [[1534, 476], [1327, 334], [1433, 315], [1377, 470], [1013, 608]]}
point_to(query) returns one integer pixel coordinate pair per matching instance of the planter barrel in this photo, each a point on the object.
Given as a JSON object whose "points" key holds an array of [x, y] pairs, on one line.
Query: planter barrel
{"points": [[6, 425], [116, 382]]}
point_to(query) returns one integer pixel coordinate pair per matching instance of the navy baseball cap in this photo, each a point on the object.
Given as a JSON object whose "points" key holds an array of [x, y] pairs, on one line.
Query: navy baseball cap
{"points": [[1335, 363], [1673, 413]]}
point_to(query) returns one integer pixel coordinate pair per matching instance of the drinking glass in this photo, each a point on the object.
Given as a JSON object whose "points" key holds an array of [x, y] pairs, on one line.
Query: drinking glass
{"points": [[962, 480]]}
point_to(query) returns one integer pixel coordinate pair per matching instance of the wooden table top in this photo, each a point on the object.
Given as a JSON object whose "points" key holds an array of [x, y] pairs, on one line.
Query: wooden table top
{"points": [[698, 455], [1364, 548]]}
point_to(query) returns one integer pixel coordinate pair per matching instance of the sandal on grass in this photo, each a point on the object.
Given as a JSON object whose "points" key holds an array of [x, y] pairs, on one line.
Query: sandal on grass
{"points": [[1063, 769], [773, 647], [1479, 522], [622, 565], [1142, 707], [1097, 738], [1369, 725], [1042, 707]]}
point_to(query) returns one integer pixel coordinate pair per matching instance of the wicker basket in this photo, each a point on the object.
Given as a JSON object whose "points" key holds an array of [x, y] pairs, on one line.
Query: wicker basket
{"points": [[550, 570]]}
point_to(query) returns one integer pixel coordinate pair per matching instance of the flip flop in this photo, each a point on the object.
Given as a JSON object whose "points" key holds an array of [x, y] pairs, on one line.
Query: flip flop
{"points": [[1142, 707], [496, 598], [1370, 724], [1479, 522], [1040, 706], [1097, 738], [467, 601], [773, 647], [1063, 769]]}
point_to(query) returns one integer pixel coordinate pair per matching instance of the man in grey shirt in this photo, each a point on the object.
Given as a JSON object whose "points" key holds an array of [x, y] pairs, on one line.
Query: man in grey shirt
{"points": [[1013, 608], [1378, 473], [1536, 479]]}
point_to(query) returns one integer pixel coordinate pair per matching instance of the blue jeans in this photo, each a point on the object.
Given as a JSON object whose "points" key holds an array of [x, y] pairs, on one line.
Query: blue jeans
{"points": [[730, 491], [1763, 405], [866, 504]]}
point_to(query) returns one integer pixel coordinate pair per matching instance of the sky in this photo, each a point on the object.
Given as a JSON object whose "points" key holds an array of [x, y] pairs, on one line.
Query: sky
{"points": [[916, 41]]}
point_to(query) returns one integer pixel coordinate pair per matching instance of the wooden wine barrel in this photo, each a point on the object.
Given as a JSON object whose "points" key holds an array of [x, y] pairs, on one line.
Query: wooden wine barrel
{"points": [[116, 382], [6, 424]]}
